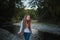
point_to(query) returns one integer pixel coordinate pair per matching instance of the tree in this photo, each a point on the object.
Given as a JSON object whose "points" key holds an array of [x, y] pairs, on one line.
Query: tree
{"points": [[7, 11], [19, 7], [47, 9]]}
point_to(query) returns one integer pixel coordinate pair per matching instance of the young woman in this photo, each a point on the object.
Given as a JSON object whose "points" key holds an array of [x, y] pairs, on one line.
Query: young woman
{"points": [[26, 27]]}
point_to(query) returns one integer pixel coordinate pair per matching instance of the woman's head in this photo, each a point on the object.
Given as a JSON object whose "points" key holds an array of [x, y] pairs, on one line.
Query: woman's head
{"points": [[26, 20], [27, 17]]}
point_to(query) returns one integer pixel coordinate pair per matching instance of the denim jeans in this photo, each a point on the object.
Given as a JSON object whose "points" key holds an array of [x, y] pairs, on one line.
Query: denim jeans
{"points": [[26, 36]]}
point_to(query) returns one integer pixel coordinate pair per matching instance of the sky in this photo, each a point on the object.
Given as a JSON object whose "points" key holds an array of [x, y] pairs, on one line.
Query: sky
{"points": [[26, 3]]}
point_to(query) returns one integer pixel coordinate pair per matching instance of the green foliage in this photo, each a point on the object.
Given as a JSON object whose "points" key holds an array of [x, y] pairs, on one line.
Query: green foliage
{"points": [[22, 13], [33, 14], [18, 11]]}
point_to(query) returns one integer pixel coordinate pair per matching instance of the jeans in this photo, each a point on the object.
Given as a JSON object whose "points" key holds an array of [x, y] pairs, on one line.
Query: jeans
{"points": [[26, 36]]}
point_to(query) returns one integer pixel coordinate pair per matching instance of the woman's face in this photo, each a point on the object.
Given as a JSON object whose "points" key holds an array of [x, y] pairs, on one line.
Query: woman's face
{"points": [[28, 17]]}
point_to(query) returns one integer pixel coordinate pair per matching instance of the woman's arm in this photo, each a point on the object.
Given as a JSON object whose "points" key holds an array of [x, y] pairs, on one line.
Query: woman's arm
{"points": [[21, 27]]}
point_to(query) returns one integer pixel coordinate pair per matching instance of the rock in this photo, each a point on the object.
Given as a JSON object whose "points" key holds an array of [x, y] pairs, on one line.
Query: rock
{"points": [[34, 35], [9, 27], [6, 35]]}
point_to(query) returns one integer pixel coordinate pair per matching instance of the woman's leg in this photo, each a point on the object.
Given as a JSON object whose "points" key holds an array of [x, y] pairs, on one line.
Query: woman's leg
{"points": [[26, 36]]}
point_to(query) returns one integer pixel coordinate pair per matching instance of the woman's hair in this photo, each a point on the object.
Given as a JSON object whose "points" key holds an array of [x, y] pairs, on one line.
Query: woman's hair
{"points": [[25, 21]]}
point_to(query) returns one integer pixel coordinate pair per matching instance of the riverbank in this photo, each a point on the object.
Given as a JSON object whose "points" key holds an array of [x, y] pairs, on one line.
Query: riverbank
{"points": [[46, 23]]}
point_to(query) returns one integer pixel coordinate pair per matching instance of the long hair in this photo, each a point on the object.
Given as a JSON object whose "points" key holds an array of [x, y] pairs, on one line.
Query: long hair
{"points": [[25, 21]]}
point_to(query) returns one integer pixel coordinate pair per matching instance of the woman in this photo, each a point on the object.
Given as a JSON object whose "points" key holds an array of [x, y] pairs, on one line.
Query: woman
{"points": [[26, 27]]}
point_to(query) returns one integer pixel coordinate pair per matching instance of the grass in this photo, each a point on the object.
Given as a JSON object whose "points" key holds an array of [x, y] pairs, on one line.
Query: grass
{"points": [[34, 21]]}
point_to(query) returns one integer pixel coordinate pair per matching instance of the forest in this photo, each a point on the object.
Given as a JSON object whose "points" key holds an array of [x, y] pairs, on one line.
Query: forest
{"points": [[42, 11], [46, 10]]}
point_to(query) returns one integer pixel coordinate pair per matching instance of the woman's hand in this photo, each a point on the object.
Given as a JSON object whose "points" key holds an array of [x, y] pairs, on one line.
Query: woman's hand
{"points": [[18, 32]]}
